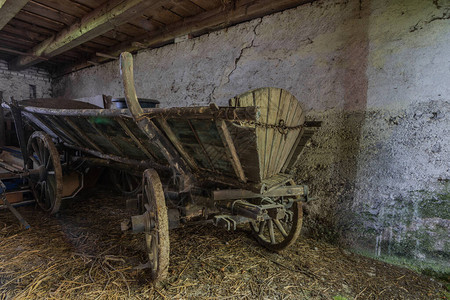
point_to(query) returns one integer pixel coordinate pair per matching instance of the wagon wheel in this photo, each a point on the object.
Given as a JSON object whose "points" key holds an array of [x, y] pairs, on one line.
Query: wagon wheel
{"points": [[278, 234], [126, 183], [47, 185], [156, 225]]}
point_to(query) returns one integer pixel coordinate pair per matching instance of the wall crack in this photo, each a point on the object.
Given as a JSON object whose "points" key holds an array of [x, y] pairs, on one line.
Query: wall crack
{"points": [[237, 59]]}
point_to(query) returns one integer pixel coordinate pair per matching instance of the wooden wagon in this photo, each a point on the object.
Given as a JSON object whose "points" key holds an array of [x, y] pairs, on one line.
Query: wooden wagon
{"points": [[225, 165]]}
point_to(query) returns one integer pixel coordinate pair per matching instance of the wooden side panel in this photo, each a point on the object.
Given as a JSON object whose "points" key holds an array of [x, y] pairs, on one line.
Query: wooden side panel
{"points": [[295, 118], [273, 107], [261, 101], [274, 144], [213, 145], [283, 111]]}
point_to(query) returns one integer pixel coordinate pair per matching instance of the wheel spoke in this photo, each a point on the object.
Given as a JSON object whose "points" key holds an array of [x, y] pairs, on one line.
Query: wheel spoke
{"points": [[262, 224], [41, 154], [271, 232], [280, 227], [130, 184], [36, 150]]}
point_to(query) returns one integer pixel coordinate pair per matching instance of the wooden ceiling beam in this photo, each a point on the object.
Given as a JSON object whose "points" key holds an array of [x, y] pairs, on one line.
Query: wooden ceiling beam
{"points": [[95, 23], [8, 9], [243, 10]]}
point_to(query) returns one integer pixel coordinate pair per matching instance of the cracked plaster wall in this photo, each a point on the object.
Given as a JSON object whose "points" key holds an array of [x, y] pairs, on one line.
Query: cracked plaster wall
{"points": [[375, 72]]}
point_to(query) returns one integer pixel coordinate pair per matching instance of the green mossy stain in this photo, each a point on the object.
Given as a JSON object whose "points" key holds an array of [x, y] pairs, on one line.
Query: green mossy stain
{"points": [[101, 120], [435, 205]]}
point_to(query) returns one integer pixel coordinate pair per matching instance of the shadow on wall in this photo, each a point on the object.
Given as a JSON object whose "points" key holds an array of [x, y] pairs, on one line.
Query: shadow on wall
{"points": [[330, 167]]}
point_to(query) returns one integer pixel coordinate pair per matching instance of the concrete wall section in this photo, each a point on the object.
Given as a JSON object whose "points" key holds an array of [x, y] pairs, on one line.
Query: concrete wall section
{"points": [[375, 72], [17, 84]]}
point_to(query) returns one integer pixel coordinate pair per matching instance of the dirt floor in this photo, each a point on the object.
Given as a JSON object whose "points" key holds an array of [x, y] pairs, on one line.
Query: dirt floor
{"points": [[81, 253]]}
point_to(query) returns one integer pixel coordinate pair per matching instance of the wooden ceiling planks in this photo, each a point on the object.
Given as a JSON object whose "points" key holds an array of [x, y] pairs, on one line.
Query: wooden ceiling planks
{"points": [[39, 20], [152, 26], [22, 33], [31, 27], [50, 13], [207, 4]]}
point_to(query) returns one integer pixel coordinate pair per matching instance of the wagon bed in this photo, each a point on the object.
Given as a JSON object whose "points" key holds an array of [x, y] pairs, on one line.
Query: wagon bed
{"points": [[217, 143]]}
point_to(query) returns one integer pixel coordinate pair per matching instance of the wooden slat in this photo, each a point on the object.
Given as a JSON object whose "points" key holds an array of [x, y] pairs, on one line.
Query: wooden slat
{"points": [[69, 7], [230, 149], [273, 104], [261, 96], [23, 33], [41, 21], [185, 9], [279, 140], [291, 137], [82, 135], [8, 9], [292, 151], [277, 136], [107, 138], [66, 135], [207, 4], [173, 138], [201, 145], [134, 138], [31, 27], [95, 23], [51, 13]]}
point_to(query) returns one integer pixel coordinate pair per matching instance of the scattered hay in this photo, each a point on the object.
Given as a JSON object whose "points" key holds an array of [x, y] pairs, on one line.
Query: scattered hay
{"points": [[81, 253]]}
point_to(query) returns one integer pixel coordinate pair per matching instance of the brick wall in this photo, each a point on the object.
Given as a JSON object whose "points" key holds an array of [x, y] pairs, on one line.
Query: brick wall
{"points": [[17, 83]]}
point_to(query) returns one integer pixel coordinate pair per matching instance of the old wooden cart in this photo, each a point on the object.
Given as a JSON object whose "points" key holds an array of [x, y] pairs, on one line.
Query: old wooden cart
{"points": [[224, 164]]}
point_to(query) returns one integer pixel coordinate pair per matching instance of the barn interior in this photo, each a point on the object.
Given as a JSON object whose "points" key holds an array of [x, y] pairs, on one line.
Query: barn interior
{"points": [[221, 120]]}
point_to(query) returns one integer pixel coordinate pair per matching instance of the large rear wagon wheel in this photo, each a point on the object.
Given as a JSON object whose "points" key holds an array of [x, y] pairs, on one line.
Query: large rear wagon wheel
{"points": [[156, 225], [278, 234], [47, 185]]}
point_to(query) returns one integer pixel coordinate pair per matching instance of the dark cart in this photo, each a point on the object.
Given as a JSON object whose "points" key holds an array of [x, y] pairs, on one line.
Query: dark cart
{"points": [[225, 165]]}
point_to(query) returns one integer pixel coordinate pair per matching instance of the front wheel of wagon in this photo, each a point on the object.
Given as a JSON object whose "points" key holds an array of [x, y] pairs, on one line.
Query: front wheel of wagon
{"points": [[47, 183], [156, 225], [278, 234]]}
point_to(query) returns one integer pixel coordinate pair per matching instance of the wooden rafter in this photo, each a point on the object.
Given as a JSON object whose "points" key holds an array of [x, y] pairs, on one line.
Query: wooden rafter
{"points": [[8, 9], [242, 10], [100, 20]]}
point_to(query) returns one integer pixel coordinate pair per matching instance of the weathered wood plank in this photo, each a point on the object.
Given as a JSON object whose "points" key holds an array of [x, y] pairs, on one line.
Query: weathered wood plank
{"points": [[82, 134], [292, 151], [134, 138], [278, 138], [173, 138], [95, 23], [261, 96], [230, 149], [8, 9], [201, 145], [291, 102], [273, 106], [291, 137], [107, 138]]}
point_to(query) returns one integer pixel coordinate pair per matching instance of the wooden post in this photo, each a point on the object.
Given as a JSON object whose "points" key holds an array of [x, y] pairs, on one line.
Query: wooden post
{"points": [[147, 126]]}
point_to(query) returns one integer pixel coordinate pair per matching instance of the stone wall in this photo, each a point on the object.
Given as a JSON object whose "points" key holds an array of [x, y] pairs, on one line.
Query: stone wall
{"points": [[17, 84], [375, 72]]}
